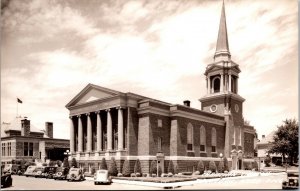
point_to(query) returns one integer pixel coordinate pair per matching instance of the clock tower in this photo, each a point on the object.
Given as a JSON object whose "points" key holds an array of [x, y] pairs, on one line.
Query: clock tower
{"points": [[222, 96]]}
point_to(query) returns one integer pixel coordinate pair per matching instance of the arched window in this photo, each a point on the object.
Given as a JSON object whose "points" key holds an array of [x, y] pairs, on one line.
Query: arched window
{"points": [[216, 84], [213, 140], [190, 137], [202, 139]]}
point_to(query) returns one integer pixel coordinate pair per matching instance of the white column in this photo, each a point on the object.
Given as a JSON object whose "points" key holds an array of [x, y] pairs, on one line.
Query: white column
{"points": [[120, 129], [229, 82], [72, 137], [89, 133], [222, 83], [80, 134], [99, 132], [209, 88], [109, 130], [236, 84]]}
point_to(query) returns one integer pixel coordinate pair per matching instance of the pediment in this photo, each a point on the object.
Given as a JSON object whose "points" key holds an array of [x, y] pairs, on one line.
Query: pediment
{"points": [[91, 93]]}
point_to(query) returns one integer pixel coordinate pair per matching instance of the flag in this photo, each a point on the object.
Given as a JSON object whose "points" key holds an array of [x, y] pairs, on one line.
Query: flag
{"points": [[19, 101]]}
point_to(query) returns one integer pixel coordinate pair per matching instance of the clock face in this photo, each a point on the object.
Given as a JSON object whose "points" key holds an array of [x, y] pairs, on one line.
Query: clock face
{"points": [[213, 108], [236, 108]]}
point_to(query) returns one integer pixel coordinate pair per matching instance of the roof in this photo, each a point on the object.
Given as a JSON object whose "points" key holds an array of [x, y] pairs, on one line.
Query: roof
{"points": [[15, 124], [268, 138]]}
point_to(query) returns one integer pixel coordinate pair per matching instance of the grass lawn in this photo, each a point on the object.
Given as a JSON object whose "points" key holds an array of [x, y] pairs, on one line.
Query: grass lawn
{"points": [[216, 176], [157, 179]]}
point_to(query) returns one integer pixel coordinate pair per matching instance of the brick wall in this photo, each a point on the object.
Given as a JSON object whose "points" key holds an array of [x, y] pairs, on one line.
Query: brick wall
{"points": [[132, 132], [249, 145]]}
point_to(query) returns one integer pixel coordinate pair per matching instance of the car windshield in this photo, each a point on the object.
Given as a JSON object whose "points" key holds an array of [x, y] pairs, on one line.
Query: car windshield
{"points": [[59, 169], [74, 170]]}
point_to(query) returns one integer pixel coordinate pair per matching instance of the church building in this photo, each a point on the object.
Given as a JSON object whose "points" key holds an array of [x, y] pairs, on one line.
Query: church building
{"points": [[106, 123]]}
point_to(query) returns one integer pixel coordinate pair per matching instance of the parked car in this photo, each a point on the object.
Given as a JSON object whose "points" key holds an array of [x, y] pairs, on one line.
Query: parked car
{"points": [[75, 174], [101, 176], [61, 173], [39, 172], [292, 181], [30, 171], [49, 172], [6, 179]]}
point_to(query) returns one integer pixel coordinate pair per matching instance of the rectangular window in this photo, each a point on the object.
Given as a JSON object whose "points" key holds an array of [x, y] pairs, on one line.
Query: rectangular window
{"points": [[25, 148], [159, 123], [213, 149], [9, 149], [3, 149], [30, 149], [159, 144], [202, 148], [189, 147]]}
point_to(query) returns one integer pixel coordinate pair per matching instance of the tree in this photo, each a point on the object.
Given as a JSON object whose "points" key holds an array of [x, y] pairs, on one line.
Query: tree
{"points": [[66, 163], [153, 167], [126, 169], [74, 163], [212, 166], [171, 167], [103, 164], [255, 165], [268, 161], [285, 140], [200, 167], [221, 166], [113, 171], [137, 167], [226, 167]]}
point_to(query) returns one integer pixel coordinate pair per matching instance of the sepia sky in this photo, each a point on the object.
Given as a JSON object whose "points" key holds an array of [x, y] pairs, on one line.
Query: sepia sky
{"points": [[50, 50]]}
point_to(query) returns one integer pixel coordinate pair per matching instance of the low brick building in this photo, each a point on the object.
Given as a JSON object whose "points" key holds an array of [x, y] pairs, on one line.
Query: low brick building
{"points": [[108, 123], [19, 142]]}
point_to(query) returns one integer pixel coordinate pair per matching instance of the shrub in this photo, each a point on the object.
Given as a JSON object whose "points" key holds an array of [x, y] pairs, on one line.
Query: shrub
{"points": [[66, 163], [221, 166], [268, 161], [103, 165], [120, 174], [93, 171], [196, 172], [113, 171], [171, 167], [137, 167], [132, 175], [153, 175], [145, 174], [138, 174], [159, 171], [126, 169], [212, 166], [255, 165], [249, 166], [59, 163], [226, 167], [200, 167], [74, 163], [170, 174], [153, 167], [44, 164]]}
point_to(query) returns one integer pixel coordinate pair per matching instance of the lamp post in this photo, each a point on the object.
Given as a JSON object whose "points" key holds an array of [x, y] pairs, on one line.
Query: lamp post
{"points": [[221, 158]]}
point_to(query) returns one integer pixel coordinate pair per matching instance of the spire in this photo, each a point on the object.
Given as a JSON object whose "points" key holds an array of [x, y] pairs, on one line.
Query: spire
{"points": [[222, 48]]}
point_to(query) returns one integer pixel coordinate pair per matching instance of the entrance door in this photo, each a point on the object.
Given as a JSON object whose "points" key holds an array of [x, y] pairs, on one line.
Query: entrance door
{"points": [[240, 164]]}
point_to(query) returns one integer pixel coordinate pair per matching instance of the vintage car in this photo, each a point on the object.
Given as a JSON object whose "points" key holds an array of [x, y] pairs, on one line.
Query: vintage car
{"points": [[75, 174], [30, 171], [101, 176], [49, 172], [39, 172], [12, 168], [292, 181], [6, 179], [61, 173]]}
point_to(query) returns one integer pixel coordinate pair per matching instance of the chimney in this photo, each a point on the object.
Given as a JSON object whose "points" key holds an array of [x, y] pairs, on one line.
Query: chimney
{"points": [[25, 127], [263, 136], [186, 103], [49, 129]]}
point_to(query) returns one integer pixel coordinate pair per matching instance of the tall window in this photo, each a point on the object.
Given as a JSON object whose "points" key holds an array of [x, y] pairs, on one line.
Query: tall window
{"points": [[216, 84], [30, 149], [159, 144], [189, 137], [26, 148], [3, 149], [213, 140], [202, 139], [9, 149]]}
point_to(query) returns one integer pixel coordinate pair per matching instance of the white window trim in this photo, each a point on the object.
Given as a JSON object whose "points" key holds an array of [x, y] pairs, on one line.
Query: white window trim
{"points": [[205, 150], [193, 145]]}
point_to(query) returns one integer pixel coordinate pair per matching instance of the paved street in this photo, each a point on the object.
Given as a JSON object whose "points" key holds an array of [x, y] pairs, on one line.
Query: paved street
{"points": [[254, 182]]}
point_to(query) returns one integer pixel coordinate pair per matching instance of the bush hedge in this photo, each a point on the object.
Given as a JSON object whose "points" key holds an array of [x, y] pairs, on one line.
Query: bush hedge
{"points": [[137, 167], [113, 171], [212, 166], [153, 167], [200, 167], [171, 167], [126, 169], [103, 165]]}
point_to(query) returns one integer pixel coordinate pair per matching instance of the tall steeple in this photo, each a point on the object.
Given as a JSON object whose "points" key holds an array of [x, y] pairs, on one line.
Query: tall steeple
{"points": [[222, 48]]}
